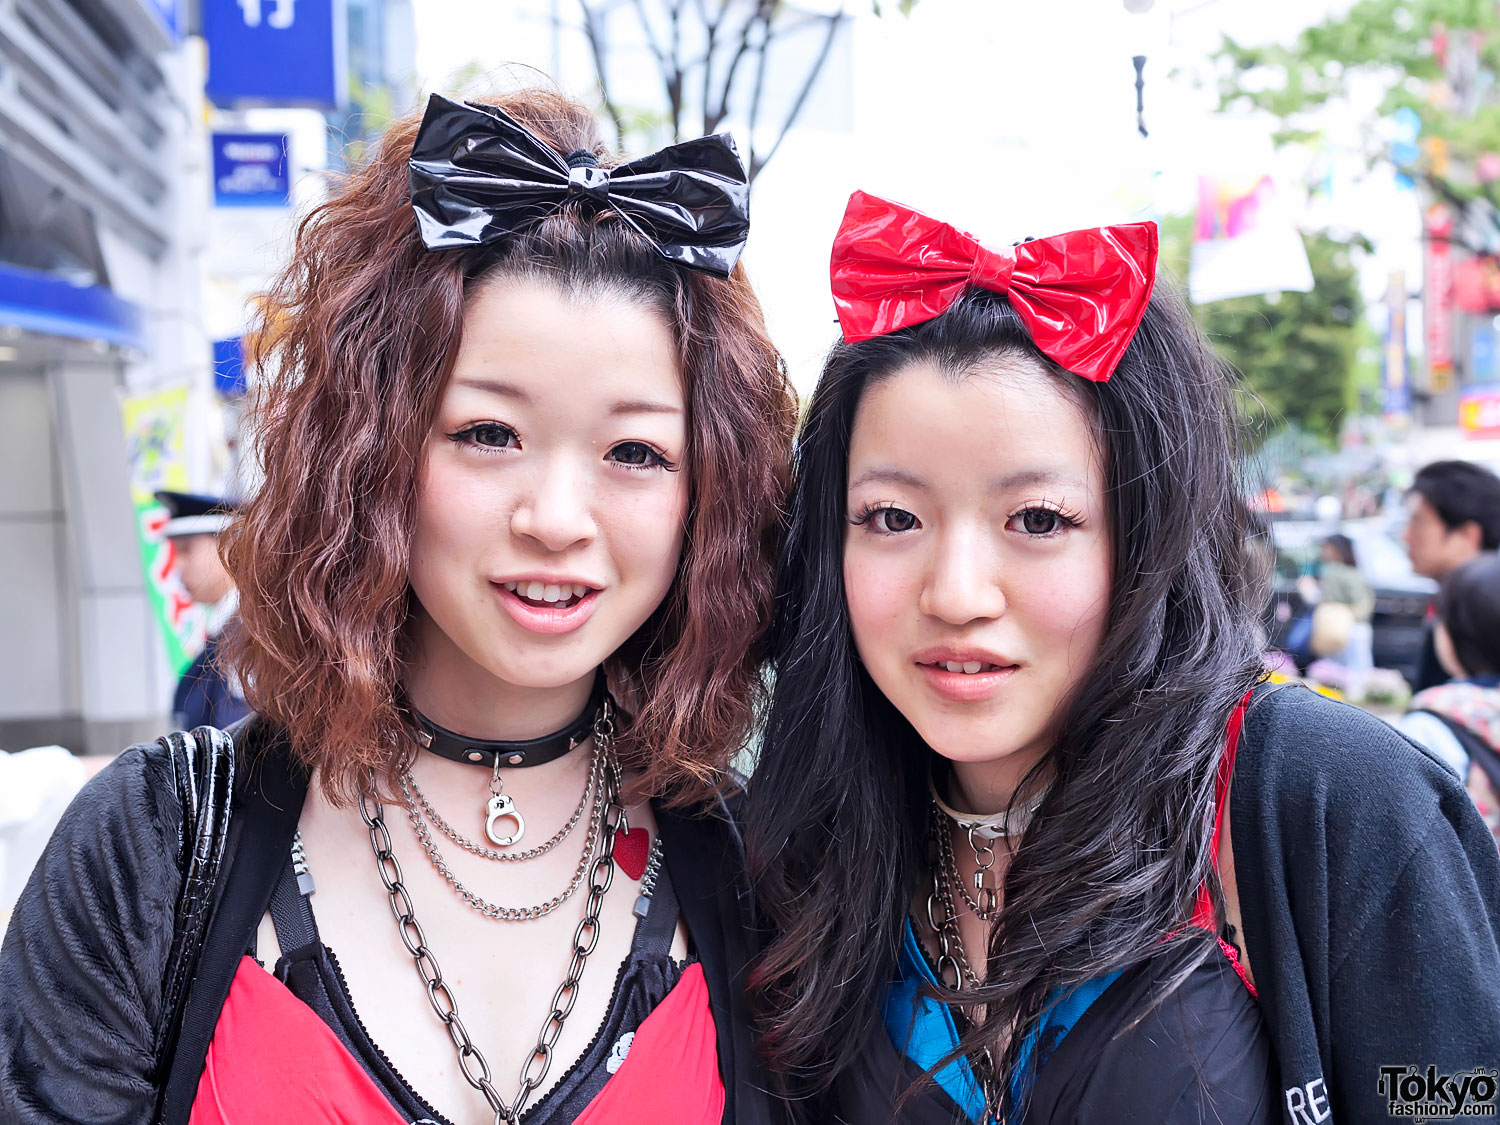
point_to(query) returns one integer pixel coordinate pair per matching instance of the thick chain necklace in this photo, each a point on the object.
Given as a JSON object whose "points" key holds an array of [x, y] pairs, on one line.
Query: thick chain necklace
{"points": [[953, 967], [415, 797], [471, 1062], [987, 905]]}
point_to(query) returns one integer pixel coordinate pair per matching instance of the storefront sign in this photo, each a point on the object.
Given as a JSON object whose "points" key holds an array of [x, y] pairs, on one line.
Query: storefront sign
{"points": [[1437, 296], [155, 431], [250, 170], [276, 52], [1476, 286], [1479, 412], [1394, 375]]}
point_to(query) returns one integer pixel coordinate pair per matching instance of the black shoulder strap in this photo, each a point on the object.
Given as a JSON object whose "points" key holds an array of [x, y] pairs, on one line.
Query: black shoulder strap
{"points": [[658, 913], [265, 819], [203, 765], [291, 913]]}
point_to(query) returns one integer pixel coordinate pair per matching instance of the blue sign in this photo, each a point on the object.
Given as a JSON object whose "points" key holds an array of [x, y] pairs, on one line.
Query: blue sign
{"points": [[1482, 353], [276, 52], [250, 170], [229, 367]]}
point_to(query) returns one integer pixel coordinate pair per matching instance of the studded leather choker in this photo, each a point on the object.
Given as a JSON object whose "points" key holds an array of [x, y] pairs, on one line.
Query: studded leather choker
{"points": [[495, 753]]}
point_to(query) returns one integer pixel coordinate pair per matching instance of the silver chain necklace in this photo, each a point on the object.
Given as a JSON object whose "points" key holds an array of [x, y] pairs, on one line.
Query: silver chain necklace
{"points": [[495, 911], [987, 905], [953, 967], [414, 795], [471, 1062]]}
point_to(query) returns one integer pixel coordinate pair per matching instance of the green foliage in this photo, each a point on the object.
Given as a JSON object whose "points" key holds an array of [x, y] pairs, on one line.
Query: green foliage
{"points": [[1297, 352], [1389, 45]]}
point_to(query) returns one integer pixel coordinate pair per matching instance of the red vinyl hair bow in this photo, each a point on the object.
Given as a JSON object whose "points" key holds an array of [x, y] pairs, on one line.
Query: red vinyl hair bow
{"points": [[1081, 295]]}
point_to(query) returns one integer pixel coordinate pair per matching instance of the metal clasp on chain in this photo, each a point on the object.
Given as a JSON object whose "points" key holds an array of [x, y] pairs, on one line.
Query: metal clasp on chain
{"points": [[984, 856]]}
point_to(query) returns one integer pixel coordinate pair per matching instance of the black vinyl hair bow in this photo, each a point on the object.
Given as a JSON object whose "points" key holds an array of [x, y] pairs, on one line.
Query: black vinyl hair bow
{"points": [[477, 175]]}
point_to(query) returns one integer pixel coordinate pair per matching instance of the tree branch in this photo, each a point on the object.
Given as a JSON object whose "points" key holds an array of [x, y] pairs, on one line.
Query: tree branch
{"points": [[593, 30], [761, 13], [753, 163], [812, 76], [710, 32], [671, 75], [678, 77]]}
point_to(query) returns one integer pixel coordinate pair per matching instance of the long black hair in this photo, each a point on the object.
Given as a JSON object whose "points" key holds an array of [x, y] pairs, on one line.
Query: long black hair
{"points": [[1468, 605], [1113, 861]]}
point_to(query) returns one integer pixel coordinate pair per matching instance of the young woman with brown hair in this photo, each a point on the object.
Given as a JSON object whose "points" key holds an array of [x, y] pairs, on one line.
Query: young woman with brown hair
{"points": [[502, 595]]}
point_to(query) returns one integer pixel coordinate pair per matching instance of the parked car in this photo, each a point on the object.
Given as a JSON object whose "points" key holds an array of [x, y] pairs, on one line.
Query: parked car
{"points": [[1402, 597]]}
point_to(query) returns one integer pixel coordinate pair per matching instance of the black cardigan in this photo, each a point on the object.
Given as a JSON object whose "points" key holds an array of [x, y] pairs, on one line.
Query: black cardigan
{"points": [[82, 966], [1370, 891]]}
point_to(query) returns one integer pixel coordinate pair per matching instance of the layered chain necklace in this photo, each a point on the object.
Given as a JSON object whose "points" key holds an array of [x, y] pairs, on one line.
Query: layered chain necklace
{"points": [[595, 871], [954, 969], [981, 832], [417, 805]]}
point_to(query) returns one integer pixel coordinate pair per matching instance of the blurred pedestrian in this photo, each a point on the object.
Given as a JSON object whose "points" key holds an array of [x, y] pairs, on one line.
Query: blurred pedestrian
{"points": [[208, 694], [1460, 721], [1344, 593], [1453, 513]]}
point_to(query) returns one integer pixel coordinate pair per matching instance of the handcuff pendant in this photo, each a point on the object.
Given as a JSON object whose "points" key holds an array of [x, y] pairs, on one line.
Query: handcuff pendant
{"points": [[503, 807]]}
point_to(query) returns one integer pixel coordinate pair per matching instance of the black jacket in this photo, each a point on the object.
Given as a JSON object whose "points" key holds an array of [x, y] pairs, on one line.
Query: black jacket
{"points": [[1200, 1056], [1370, 891], [83, 964]]}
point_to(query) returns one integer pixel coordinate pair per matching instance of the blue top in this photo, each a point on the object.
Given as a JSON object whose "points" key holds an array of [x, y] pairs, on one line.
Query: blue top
{"points": [[923, 1029]]}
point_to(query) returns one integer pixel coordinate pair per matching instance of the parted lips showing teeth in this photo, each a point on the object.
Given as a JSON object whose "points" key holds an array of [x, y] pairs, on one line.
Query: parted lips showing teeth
{"points": [[542, 592], [968, 667]]}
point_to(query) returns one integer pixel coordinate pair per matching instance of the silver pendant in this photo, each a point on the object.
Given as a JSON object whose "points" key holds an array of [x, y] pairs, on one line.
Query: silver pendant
{"points": [[502, 807]]}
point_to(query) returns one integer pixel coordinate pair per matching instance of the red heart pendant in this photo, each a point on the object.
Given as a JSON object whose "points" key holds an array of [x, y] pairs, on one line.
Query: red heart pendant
{"points": [[631, 850]]}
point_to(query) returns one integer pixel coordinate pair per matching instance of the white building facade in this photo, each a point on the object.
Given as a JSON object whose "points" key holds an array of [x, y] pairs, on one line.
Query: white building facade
{"points": [[103, 201]]}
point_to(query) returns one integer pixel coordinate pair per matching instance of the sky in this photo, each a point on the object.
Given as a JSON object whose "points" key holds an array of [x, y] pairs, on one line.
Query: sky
{"points": [[1006, 117]]}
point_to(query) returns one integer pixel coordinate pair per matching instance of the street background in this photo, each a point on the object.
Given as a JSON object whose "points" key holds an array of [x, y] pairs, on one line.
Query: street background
{"points": [[1325, 175]]}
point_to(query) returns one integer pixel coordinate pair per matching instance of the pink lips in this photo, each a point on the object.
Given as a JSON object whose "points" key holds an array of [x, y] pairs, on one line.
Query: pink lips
{"points": [[547, 620], [964, 687]]}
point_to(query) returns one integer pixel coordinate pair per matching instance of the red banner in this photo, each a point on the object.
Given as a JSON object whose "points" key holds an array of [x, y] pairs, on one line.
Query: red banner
{"points": [[1437, 296], [1476, 285]]}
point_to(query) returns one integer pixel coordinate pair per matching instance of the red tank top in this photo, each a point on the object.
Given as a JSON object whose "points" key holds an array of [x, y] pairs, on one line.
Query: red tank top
{"points": [[273, 1059]]}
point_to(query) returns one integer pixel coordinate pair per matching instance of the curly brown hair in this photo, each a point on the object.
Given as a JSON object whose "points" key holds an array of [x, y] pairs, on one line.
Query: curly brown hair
{"points": [[354, 345]]}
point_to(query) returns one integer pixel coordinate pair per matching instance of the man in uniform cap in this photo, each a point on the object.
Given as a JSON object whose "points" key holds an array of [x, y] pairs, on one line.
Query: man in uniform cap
{"points": [[207, 694]]}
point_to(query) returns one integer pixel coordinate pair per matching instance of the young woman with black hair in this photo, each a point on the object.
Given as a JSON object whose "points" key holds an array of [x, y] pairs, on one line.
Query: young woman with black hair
{"points": [[993, 823]]}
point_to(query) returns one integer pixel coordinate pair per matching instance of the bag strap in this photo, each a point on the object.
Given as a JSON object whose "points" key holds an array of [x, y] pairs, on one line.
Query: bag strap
{"points": [[1480, 752], [203, 772], [267, 811]]}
